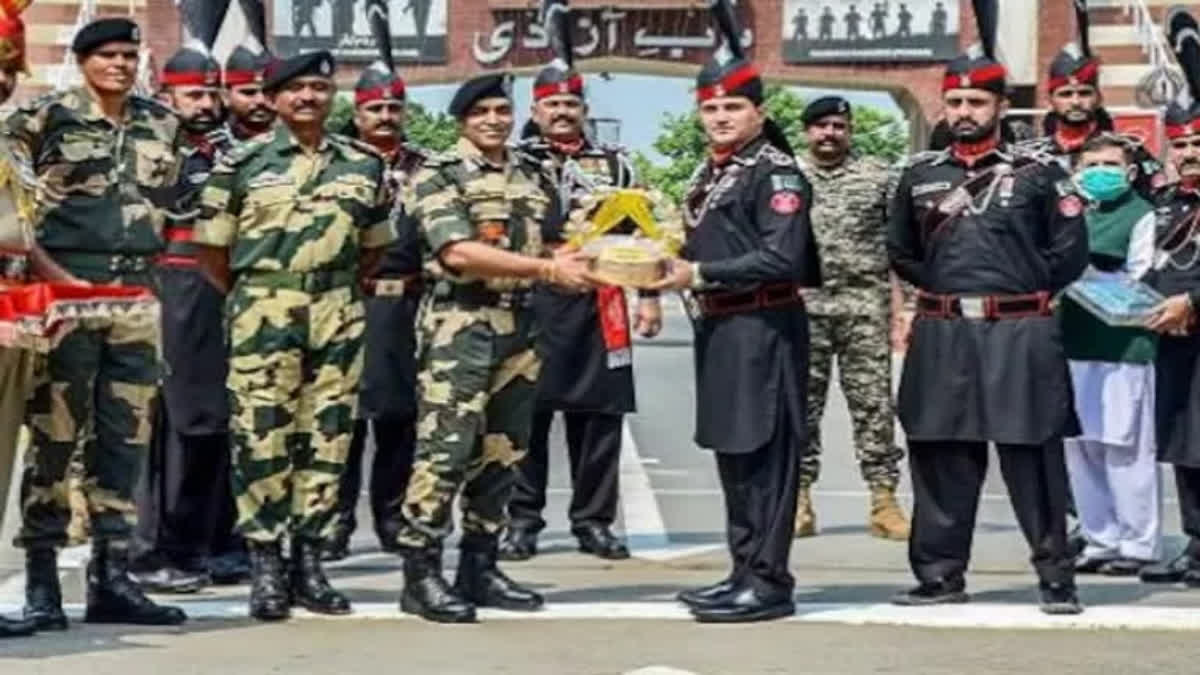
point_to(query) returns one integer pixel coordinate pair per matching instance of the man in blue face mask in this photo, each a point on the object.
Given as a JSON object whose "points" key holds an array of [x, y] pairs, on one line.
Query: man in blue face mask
{"points": [[1112, 463]]}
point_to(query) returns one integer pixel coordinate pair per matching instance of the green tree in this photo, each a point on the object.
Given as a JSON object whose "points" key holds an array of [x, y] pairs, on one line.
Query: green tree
{"points": [[432, 130], [876, 133]]}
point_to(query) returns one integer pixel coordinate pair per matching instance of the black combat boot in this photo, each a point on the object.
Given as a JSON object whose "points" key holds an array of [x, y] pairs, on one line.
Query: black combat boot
{"points": [[43, 594], [310, 589], [427, 594], [268, 585], [481, 582], [113, 597]]}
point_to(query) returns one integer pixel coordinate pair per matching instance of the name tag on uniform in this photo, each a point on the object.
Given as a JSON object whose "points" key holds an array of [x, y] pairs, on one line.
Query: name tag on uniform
{"points": [[784, 183], [199, 178]]}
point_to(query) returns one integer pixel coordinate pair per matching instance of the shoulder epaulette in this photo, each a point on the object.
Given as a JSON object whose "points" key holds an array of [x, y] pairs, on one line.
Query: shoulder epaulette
{"points": [[927, 157], [776, 156], [153, 105], [440, 159], [246, 149], [360, 146], [421, 151]]}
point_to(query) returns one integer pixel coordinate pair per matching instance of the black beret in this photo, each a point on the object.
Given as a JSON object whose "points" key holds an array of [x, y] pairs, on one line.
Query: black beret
{"points": [[245, 67], [191, 67], [491, 85], [281, 71], [824, 106], [103, 31]]}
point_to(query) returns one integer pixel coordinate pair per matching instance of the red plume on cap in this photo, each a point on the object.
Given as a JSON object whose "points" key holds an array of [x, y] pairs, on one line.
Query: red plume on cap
{"points": [[12, 34]]}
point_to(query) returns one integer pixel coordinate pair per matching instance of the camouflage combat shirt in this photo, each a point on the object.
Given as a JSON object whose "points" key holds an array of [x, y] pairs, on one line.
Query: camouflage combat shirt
{"points": [[461, 196], [102, 187], [848, 219], [283, 208]]}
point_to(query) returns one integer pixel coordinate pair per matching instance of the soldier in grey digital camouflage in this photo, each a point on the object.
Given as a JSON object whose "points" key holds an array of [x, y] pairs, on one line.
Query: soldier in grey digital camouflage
{"points": [[480, 210], [291, 223], [849, 314], [106, 168]]}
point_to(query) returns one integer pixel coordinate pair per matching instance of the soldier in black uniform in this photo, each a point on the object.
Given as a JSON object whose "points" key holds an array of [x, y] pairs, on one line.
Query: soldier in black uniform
{"points": [[181, 492], [587, 368], [1176, 274], [987, 236], [387, 397], [1077, 112], [249, 112], [749, 252]]}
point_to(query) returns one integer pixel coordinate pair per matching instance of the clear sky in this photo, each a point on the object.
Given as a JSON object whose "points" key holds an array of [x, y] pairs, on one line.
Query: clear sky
{"points": [[638, 101]]}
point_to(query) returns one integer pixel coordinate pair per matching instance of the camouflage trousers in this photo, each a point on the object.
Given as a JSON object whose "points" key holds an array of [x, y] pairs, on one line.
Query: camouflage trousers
{"points": [[477, 372], [294, 367], [16, 379], [861, 344], [90, 416]]}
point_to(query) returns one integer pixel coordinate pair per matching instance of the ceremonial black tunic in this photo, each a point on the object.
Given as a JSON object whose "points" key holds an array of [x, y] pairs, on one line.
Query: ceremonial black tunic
{"points": [[389, 352], [1022, 231], [1177, 271], [576, 375], [746, 230]]}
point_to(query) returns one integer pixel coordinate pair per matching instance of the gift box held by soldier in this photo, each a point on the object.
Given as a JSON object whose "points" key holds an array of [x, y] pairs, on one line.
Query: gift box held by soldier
{"points": [[584, 338], [290, 224], [750, 252], [21, 260], [107, 165], [987, 235], [182, 493], [388, 397], [480, 209], [849, 314]]}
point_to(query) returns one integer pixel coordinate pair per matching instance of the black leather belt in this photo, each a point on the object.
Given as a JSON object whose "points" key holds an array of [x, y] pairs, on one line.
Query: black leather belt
{"points": [[983, 307], [767, 296]]}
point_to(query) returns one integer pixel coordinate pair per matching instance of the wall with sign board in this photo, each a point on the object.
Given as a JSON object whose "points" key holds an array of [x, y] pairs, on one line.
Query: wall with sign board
{"points": [[418, 29], [858, 31]]}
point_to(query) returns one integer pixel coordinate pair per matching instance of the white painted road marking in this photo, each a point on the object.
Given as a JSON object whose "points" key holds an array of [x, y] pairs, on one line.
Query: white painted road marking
{"points": [[975, 615]]}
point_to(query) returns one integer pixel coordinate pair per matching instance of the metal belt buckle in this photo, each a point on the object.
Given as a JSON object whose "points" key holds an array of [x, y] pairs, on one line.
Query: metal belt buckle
{"points": [[390, 287], [972, 308]]}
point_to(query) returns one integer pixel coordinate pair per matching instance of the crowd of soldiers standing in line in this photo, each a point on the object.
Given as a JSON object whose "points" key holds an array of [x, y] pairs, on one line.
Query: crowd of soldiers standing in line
{"points": [[287, 256]]}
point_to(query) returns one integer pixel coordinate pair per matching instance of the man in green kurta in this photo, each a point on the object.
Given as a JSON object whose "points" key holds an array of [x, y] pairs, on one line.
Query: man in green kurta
{"points": [[1112, 463]]}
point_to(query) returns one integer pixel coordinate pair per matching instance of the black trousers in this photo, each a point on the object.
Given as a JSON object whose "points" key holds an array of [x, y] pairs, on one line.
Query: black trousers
{"points": [[947, 478], [184, 499], [395, 443], [760, 510], [1187, 484], [594, 450]]}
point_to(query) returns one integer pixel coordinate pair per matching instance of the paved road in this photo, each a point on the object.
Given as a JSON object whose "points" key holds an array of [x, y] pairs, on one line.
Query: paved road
{"points": [[618, 617]]}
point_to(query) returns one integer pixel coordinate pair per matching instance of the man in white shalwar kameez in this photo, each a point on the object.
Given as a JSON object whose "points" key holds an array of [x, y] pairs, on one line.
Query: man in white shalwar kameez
{"points": [[1112, 465]]}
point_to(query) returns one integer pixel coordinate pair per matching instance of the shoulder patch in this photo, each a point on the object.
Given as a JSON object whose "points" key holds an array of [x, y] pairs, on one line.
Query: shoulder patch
{"points": [[786, 202]]}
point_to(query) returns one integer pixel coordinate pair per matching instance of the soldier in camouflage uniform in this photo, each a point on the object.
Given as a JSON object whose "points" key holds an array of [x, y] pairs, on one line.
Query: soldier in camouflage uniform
{"points": [[480, 210], [106, 166], [849, 314], [293, 219]]}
